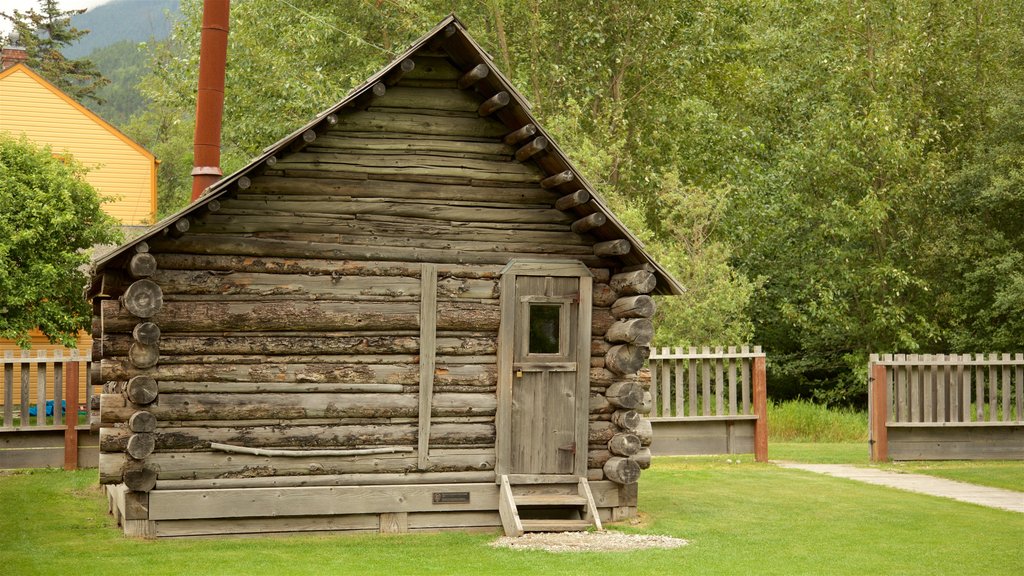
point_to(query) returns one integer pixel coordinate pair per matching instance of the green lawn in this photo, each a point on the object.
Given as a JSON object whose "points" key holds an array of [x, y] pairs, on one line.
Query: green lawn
{"points": [[740, 519]]}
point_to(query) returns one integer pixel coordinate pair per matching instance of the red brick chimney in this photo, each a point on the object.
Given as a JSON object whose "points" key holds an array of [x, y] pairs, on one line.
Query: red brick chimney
{"points": [[12, 53]]}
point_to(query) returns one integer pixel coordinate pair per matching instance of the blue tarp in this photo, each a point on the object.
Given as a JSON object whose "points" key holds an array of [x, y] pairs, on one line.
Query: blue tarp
{"points": [[33, 409]]}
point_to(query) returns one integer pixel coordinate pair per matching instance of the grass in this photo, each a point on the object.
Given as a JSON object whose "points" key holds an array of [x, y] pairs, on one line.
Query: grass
{"points": [[739, 518], [803, 421], [997, 474]]}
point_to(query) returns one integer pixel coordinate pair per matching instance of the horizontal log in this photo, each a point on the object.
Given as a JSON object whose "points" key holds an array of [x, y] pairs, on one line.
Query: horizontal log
{"points": [[532, 148], [209, 465], [641, 306], [259, 247], [272, 265], [639, 331], [301, 374], [624, 394], [642, 458], [626, 358], [398, 189], [186, 387], [141, 265], [143, 298], [178, 228], [588, 223], [473, 75], [603, 378], [422, 164], [597, 458], [557, 179], [141, 421], [141, 390], [299, 343], [143, 355], [351, 143], [396, 73], [279, 315], [194, 438], [647, 405], [299, 406], [603, 295], [368, 95], [601, 432], [520, 134], [621, 470], [139, 477], [632, 283], [626, 419], [494, 103], [139, 446], [619, 247], [377, 122], [293, 453], [624, 444], [645, 432], [570, 201], [146, 333]]}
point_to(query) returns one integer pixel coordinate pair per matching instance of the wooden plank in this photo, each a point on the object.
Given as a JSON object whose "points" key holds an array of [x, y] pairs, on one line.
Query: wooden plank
{"points": [[705, 373], [8, 389], [428, 350], [928, 389], [965, 373], [719, 384], [584, 323], [1020, 386], [954, 382], [915, 393], [655, 365], [745, 379], [996, 442], [993, 390], [40, 390], [760, 392], [70, 434], [215, 527], [1006, 386], [878, 414], [25, 390], [732, 382], [315, 500], [902, 385], [692, 381], [58, 391], [506, 338], [666, 387], [688, 437], [679, 384], [979, 390]]}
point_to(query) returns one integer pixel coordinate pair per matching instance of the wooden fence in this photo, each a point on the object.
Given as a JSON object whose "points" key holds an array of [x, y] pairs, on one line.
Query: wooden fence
{"points": [[709, 401], [41, 399], [945, 407]]}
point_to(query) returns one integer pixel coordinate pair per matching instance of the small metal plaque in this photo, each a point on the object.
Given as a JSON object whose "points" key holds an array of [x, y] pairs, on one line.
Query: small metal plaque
{"points": [[451, 497]]}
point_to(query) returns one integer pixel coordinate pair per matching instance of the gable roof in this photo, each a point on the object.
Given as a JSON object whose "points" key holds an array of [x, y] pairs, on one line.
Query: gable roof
{"points": [[466, 53]]}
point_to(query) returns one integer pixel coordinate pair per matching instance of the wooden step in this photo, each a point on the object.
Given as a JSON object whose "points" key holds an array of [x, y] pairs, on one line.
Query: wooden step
{"points": [[550, 500], [556, 525]]}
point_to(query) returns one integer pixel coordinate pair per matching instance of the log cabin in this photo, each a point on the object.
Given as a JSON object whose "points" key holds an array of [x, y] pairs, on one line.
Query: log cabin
{"points": [[412, 313]]}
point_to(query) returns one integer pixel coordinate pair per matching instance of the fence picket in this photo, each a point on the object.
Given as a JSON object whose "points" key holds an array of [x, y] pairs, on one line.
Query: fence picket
{"points": [[993, 391], [677, 389], [719, 384], [24, 388], [745, 380], [979, 390], [655, 407], [8, 389], [705, 377], [965, 389], [692, 378], [732, 381], [1006, 390], [58, 389], [666, 386], [1020, 387]]}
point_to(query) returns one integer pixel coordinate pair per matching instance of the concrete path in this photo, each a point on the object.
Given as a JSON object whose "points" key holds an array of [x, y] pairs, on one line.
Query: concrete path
{"points": [[981, 495]]}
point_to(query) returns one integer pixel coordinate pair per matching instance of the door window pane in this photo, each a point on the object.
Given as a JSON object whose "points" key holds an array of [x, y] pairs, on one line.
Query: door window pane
{"points": [[544, 328]]}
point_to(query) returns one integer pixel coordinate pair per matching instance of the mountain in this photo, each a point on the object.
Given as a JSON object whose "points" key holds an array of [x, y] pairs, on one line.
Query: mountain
{"points": [[120, 20]]}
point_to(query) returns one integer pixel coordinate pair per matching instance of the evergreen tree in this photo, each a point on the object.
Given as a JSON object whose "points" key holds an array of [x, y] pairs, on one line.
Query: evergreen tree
{"points": [[44, 33]]}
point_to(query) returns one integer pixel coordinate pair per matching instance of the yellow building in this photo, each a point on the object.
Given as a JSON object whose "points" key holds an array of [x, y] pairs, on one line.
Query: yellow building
{"points": [[118, 167]]}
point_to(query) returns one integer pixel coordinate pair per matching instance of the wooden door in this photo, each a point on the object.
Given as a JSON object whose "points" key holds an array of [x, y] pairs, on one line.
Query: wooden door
{"points": [[545, 362]]}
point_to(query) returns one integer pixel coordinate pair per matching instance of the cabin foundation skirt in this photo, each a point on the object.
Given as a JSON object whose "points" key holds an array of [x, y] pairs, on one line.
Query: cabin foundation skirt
{"points": [[380, 508]]}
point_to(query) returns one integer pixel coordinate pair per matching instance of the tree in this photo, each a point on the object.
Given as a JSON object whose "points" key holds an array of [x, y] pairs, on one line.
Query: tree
{"points": [[50, 218], [44, 33]]}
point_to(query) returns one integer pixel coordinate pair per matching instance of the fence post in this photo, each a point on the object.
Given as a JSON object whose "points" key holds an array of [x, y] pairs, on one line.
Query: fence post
{"points": [[879, 404], [760, 410], [71, 418]]}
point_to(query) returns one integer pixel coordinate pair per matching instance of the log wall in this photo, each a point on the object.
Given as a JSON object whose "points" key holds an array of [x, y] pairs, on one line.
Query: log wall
{"points": [[290, 313]]}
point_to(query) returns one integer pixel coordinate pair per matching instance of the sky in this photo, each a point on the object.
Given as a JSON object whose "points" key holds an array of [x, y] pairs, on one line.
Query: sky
{"points": [[25, 5]]}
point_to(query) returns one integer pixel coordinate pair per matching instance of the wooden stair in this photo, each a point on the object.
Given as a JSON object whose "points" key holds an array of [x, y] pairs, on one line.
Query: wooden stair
{"points": [[554, 511]]}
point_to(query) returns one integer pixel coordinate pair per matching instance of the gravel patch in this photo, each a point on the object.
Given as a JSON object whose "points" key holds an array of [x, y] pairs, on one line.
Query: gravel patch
{"points": [[608, 541]]}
